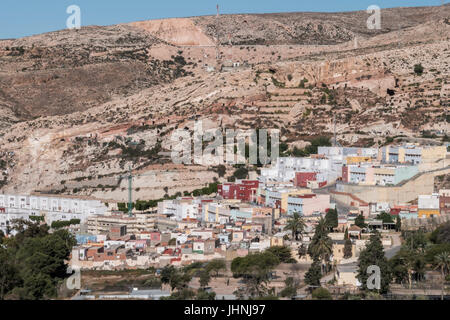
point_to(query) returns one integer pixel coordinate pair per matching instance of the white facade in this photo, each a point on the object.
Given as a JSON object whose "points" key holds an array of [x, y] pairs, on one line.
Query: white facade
{"points": [[429, 201], [52, 208], [180, 209], [285, 168]]}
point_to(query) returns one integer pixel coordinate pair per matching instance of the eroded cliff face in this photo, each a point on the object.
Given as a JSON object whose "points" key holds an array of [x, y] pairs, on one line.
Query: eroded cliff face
{"points": [[79, 107]]}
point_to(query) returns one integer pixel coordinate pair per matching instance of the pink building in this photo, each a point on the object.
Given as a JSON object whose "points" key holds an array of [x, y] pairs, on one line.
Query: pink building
{"points": [[308, 204]]}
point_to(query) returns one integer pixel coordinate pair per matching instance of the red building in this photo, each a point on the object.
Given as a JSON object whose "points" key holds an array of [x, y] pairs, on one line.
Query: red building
{"points": [[244, 190], [444, 202], [344, 173], [301, 179]]}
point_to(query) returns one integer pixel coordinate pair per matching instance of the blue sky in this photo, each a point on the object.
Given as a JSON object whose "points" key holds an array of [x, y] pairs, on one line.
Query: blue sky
{"points": [[20, 18]]}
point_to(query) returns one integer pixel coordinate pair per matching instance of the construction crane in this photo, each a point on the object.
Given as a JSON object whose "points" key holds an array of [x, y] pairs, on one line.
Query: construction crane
{"points": [[130, 177]]}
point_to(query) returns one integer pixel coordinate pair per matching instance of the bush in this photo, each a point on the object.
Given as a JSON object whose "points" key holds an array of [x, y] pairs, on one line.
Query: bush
{"points": [[321, 294], [418, 69], [241, 173]]}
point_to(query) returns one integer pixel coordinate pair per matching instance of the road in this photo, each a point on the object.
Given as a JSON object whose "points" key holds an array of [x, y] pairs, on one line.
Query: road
{"points": [[397, 244]]}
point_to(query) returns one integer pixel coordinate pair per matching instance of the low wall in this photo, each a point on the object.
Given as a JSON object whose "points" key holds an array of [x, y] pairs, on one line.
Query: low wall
{"points": [[403, 193]]}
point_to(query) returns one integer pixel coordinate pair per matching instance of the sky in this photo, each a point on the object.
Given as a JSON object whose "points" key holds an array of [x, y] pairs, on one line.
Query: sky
{"points": [[19, 18]]}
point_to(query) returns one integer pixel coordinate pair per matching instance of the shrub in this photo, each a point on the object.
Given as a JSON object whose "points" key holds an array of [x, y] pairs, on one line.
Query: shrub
{"points": [[418, 69], [321, 294]]}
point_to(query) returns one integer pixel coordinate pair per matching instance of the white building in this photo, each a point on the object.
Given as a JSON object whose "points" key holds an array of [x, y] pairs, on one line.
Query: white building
{"points": [[180, 209], [285, 168], [342, 152], [429, 201], [51, 208]]}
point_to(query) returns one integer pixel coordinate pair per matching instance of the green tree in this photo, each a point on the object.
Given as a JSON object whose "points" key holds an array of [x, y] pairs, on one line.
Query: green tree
{"points": [[221, 170], [321, 245], [331, 218], [9, 276], [283, 253], [348, 253], [205, 277], [406, 264], [435, 249], [216, 265], [314, 274], [204, 295], [385, 217], [360, 221], [416, 240], [296, 225], [441, 234], [241, 173], [398, 224], [33, 261], [321, 294], [254, 269], [166, 274], [373, 255], [443, 263], [290, 288]]}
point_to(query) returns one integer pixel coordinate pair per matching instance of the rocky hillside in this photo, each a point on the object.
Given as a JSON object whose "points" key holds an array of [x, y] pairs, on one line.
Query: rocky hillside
{"points": [[67, 71], [78, 108]]}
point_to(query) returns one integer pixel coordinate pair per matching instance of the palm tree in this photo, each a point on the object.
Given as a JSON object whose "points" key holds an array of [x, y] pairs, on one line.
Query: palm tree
{"points": [[296, 225], [443, 262], [321, 227], [323, 248], [321, 245]]}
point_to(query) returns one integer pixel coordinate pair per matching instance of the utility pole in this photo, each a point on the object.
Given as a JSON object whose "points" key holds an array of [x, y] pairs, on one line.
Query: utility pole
{"points": [[217, 36], [130, 196], [129, 177]]}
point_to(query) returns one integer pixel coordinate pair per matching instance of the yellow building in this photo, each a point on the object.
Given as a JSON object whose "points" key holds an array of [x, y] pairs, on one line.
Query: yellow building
{"points": [[358, 159], [427, 213], [276, 241]]}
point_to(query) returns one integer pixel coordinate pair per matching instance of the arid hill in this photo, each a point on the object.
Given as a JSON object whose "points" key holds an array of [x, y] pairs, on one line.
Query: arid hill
{"points": [[79, 107]]}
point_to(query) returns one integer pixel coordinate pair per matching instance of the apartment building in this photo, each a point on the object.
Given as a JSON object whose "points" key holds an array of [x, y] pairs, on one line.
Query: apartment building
{"points": [[244, 190], [286, 167], [308, 204], [428, 206], [51, 208], [182, 208], [278, 197], [377, 174], [101, 224], [412, 154]]}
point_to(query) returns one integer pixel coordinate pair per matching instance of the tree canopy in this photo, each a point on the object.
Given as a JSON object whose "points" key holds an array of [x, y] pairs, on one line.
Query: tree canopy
{"points": [[373, 255], [255, 270], [32, 263], [296, 225]]}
